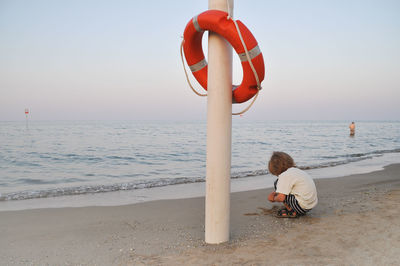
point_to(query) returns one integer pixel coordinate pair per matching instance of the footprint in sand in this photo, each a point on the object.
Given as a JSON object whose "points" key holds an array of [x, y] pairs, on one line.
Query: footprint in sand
{"points": [[264, 211]]}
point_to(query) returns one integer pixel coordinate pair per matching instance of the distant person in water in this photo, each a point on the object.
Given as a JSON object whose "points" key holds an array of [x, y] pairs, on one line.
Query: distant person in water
{"points": [[352, 129], [294, 187]]}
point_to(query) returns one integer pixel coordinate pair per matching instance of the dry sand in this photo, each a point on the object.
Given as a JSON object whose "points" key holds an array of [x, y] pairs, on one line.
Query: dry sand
{"points": [[355, 223]]}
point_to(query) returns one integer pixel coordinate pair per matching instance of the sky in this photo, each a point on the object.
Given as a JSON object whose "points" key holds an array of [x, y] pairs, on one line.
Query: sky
{"points": [[120, 60]]}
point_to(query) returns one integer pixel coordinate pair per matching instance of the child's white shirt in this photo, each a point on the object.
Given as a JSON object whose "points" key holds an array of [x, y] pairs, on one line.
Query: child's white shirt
{"points": [[300, 184]]}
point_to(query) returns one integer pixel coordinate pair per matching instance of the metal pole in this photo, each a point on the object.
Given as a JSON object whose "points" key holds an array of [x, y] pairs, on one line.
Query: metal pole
{"points": [[219, 134]]}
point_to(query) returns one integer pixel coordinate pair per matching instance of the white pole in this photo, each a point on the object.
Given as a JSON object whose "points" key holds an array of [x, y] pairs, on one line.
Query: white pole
{"points": [[26, 117], [219, 128]]}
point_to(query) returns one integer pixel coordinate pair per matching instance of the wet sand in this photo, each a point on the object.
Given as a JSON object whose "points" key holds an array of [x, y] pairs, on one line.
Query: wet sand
{"points": [[356, 222]]}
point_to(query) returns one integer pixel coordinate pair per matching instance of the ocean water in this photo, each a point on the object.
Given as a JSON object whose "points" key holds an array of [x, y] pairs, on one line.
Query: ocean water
{"points": [[59, 158]]}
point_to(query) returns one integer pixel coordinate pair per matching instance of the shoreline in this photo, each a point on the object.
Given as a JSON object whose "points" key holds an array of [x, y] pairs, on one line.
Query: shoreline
{"points": [[356, 221], [190, 190]]}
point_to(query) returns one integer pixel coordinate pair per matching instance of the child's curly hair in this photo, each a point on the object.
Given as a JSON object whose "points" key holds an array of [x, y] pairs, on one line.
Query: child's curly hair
{"points": [[280, 162]]}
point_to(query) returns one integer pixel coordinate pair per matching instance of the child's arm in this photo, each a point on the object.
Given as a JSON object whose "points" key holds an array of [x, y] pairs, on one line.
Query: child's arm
{"points": [[271, 196], [279, 197]]}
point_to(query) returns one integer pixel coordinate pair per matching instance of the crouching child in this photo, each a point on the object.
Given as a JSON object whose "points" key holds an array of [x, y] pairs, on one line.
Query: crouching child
{"points": [[294, 187]]}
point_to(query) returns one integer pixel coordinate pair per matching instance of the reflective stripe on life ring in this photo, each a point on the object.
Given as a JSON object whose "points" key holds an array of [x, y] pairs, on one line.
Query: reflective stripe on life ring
{"points": [[217, 21]]}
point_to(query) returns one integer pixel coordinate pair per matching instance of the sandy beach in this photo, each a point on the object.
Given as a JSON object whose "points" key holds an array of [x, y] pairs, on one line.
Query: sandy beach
{"points": [[355, 223]]}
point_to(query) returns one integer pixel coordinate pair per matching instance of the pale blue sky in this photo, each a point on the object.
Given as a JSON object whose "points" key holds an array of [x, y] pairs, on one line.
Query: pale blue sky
{"points": [[120, 59]]}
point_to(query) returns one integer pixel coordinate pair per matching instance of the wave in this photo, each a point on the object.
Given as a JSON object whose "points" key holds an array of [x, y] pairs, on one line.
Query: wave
{"points": [[348, 158], [142, 184], [89, 189]]}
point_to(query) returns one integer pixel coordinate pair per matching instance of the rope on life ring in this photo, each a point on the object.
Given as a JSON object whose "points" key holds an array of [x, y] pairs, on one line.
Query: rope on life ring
{"points": [[223, 24], [187, 77]]}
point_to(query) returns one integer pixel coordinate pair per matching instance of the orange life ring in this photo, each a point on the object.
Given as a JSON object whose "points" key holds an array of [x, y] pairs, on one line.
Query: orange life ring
{"points": [[217, 21]]}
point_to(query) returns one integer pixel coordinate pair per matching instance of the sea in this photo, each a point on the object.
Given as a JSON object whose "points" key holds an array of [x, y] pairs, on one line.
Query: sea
{"points": [[85, 163]]}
